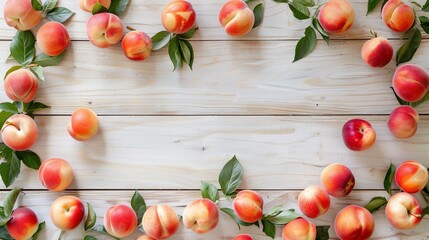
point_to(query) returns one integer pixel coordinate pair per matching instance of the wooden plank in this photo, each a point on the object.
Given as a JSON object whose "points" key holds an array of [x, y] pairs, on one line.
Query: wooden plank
{"points": [[238, 78], [279, 23], [178, 152], [226, 229]]}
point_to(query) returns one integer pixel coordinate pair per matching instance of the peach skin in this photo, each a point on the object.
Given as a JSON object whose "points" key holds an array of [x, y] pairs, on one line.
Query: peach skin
{"points": [[19, 132], [410, 82], [83, 124], [88, 5], [20, 14], [201, 216], [336, 16], [354, 222], [299, 228], [21, 85], [178, 16], [104, 30], [314, 201], [53, 38], [411, 176], [160, 221], [403, 211], [403, 121], [120, 221], [56, 174], [337, 180], [23, 224], [237, 18], [397, 15], [137, 45], [377, 52], [248, 206]]}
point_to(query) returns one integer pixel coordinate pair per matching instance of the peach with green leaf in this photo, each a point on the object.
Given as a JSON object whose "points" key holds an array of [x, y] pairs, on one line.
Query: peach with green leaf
{"points": [[53, 38], [237, 18], [23, 223], [178, 16], [19, 132], [21, 15], [248, 206], [88, 5]]}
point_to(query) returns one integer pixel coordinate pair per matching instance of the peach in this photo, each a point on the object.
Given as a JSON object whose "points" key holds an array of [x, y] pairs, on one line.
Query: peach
{"points": [[21, 15], [88, 5], [23, 224], [137, 45], [104, 29], [403, 211], [358, 134], [398, 15], [411, 176], [145, 237], [243, 237], [178, 16], [19, 132], [336, 16], [299, 228], [237, 18], [354, 222], [403, 121], [21, 85], [248, 206], [314, 201], [377, 52], [53, 38], [410, 82], [201, 215], [160, 221], [83, 124], [56, 174], [67, 212], [337, 180], [120, 221]]}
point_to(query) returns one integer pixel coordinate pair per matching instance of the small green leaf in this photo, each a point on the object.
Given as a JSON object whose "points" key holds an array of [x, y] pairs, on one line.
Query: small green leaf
{"points": [[281, 1], [37, 5], [406, 52], [9, 201], [187, 52], [189, 34], [44, 60], [8, 107], [258, 11], [91, 218], [117, 7], [425, 7], [230, 177], [174, 52], [60, 14], [319, 28], [308, 3], [306, 44], [209, 191], [39, 230], [4, 234], [22, 47], [425, 211], [268, 228], [4, 220], [48, 6], [102, 230], [29, 158], [160, 40], [139, 206], [12, 69], [372, 4], [322, 232], [375, 204], [38, 72], [10, 169], [388, 179], [88, 237], [282, 217], [3, 117], [424, 23], [231, 213], [35, 106], [98, 8], [299, 10]]}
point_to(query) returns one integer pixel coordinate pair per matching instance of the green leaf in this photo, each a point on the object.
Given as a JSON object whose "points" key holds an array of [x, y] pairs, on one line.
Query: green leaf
{"points": [[299, 10], [209, 191], [48, 6], [425, 7], [160, 40], [102, 230], [37, 5], [189, 34], [231, 213], [91, 218], [399, 99], [282, 217], [44, 60], [406, 52], [9, 201], [319, 28], [425, 211], [117, 7], [39, 230], [38, 72], [60, 14], [3, 117], [29, 158], [98, 8], [375, 204], [22, 47], [187, 52], [10, 169], [4, 220], [12, 69], [424, 23], [8, 107], [308, 3], [306, 44], [139, 206], [281, 1], [322, 232], [388, 179], [258, 11], [230, 177], [174, 52], [424, 99], [87, 237], [268, 228], [35, 106], [372, 4], [4, 234]]}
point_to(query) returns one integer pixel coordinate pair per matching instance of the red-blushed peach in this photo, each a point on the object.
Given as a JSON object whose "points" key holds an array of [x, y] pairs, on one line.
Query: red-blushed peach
{"points": [[358, 134], [354, 222], [403, 122], [104, 29], [410, 82], [20, 14], [83, 124], [403, 211], [67, 212], [411, 176], [19, 132], [145, 237], [314, 201], [299, 228], [137, 45], [398, 15], [178, 16], [88, 5], [23, 224], [243, 237], [337, 180], [377, 52], [21, 85], [201, 216], [248, 206], [56, 174], [53, 38], [237, 18], [336, 16], [120, 221], [160, 221]]}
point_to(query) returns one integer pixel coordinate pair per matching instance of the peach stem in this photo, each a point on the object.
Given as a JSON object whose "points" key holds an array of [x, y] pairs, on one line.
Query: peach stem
{"points": [[131, 28], [62, 235]]}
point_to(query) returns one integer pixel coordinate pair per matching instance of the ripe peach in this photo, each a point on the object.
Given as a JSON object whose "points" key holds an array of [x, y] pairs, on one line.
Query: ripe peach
{"points": [[398, 15], [145, 237], [120, 221], [160, 221], [88, 5], [410, 82], [56, 174], [67, 212], [21, 85], [201, 215], [403, 211], [178, 16], [21, 15], [53, 38], [23, 224], [411, 176], [104, 29], [358, 134], [336, 16], [354, 222], [243, 237], [83, 124], [237, 18], [377, 52], [299, 228], [314, 201], [137, 45], [248, 206], [403, 121], [337, 180], [19, 132]]}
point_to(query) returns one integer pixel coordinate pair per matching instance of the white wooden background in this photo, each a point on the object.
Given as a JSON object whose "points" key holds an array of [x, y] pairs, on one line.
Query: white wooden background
{"points": [[162, 132]]}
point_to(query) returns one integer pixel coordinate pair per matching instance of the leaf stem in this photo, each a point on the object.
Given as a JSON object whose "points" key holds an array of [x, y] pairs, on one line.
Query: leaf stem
{"points": [[425, 198], [62, 235]]}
